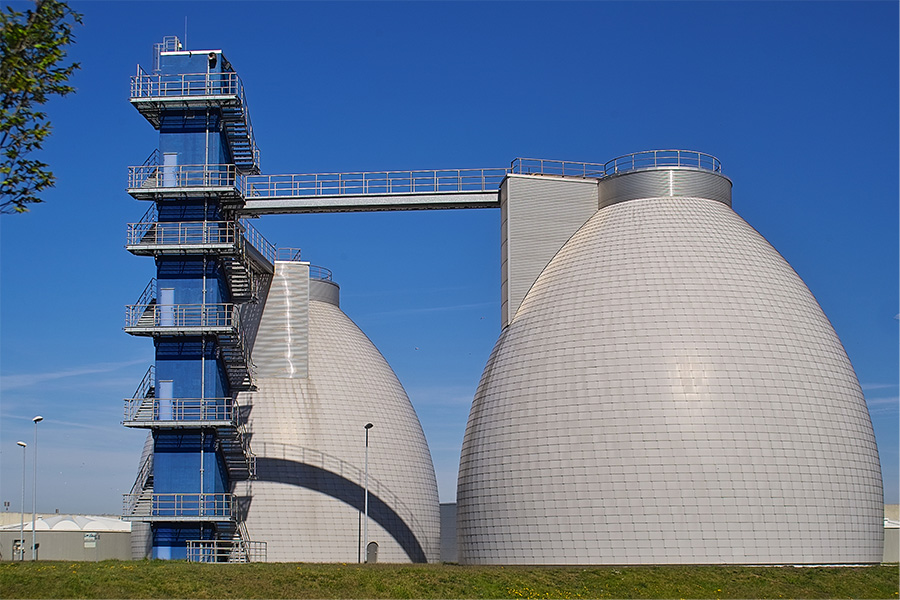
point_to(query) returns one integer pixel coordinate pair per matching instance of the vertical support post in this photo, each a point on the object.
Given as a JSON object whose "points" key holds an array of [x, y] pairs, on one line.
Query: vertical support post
{"points": [[36, 420], [366, 526], [22, 514]]}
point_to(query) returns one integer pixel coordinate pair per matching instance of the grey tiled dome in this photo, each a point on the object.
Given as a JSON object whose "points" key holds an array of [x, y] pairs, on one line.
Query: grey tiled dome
{"points": [[669, 391], [308, 435]]}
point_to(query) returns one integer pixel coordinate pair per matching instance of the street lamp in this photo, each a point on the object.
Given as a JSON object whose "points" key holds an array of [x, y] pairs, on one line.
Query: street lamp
{"points": [[22, 514], [366, 546], [36, 420]]}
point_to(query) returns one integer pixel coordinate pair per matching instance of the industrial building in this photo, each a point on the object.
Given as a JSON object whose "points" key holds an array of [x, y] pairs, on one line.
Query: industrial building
{"points": [[65, 537], [665, 389]]}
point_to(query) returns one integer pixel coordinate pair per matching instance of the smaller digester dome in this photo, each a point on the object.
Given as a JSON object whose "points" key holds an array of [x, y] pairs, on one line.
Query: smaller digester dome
{"points": [[320, 380]]}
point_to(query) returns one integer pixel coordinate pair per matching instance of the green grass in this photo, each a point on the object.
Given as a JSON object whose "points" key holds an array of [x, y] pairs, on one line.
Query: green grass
{"points": [[170, 579]]}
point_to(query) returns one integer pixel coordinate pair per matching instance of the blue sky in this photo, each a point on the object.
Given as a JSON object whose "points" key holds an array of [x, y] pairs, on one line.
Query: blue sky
{"points": [[798, 100]]}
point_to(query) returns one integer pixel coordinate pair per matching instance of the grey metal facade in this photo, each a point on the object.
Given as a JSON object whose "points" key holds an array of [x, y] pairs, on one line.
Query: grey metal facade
{"points": [[669, 391], [537, 216]]}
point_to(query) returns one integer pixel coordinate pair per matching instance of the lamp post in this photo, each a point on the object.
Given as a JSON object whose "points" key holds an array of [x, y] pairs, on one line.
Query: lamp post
{"points": [[368, 427], [22, 517], [36, 420]]}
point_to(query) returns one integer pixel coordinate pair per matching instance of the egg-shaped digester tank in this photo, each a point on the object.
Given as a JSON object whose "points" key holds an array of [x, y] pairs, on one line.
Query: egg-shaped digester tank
{"points": [[669, 391], [320, 380]]}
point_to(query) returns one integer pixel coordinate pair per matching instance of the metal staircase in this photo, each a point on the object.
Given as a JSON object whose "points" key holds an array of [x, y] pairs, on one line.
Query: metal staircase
{"points": [[142, 405], [234, 446], [239, 131], [140, 500]]}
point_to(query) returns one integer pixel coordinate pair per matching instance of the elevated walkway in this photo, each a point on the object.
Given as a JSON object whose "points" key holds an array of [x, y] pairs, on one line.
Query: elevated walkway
{"points": [[254, 195], [371, 191]]}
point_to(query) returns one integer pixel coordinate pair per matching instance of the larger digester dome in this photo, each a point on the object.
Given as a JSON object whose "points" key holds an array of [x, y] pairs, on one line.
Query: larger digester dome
{"points": [[669, 391], [320, 380]]}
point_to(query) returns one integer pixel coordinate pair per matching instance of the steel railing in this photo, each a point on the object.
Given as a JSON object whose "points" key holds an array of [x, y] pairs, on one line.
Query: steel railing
{"points": [[315, 271], [183, 233], [563, 168], [148, 296], [140, 481], [218, 506], [288, 255], [226, 551], [170, 43], [258, 241], [320, 273], [178, 85], [373, 182], [181, 315], [180, 409], [157, 176], [150, 232], [147, 383], [663, 158], [194, 86]]}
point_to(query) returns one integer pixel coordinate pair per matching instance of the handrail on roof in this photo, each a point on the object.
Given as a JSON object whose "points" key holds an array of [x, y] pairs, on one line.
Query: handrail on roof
{"points": [[648, 159], [652, 159], [288, 255], [320, 273], [546, 166]]}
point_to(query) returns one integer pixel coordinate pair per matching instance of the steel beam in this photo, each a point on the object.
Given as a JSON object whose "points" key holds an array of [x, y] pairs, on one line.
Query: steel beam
{"points": [[368, 202]]}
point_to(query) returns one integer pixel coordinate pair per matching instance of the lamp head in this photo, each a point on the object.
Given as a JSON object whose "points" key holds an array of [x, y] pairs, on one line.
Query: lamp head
{"points": [[369, 426], [21, 443], [38, 419]]}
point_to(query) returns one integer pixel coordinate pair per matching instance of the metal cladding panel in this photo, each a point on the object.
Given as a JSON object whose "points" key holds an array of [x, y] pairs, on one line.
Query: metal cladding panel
{"points": [[504, 253], [669, 392], [541, 214], [325, 291], [282, 339], [662, 182], [309, 439]]}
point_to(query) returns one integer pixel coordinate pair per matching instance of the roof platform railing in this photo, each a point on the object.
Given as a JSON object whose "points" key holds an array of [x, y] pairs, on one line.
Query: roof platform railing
{"points": [[320, 273], [180, 413], [196, 90], [152, 93], [285, 254], [660, 159], [559, 168], [179, 507]]}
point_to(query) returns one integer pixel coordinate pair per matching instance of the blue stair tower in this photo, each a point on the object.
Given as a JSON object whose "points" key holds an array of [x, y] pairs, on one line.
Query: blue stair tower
{"points": [[202, 308]]}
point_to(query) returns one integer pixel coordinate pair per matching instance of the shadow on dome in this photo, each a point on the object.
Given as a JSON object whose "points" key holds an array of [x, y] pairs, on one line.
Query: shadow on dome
{"points": [[323, 481]]}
